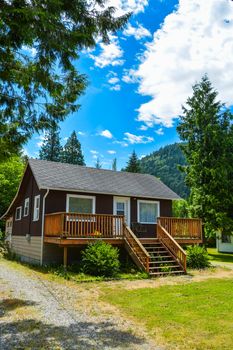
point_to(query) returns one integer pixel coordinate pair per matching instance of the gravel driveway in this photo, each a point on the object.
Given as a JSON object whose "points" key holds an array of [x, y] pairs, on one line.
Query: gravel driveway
{"points": [[36, 313]]}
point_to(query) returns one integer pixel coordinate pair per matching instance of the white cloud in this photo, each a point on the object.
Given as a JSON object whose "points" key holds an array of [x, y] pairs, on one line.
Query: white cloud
{"points": [[125, 6], [121, 143], [94, 151], [110, 54], [138, 32], [116, 87], [159, 131], [41, 139], [111, 151], [106, 133], [193, 40], [143, 127], [129, 76], [81, 133], [142, 156], [131, 138], [113, 80]]}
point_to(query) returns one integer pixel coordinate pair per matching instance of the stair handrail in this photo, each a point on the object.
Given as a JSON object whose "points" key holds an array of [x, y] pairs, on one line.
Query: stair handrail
{"points": [[172, 246], [136, 246]]}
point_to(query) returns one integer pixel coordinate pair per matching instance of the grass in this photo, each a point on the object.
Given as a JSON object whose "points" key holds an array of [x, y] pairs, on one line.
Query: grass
{"points": [[74, 272], [214, 255], [188, 316]]}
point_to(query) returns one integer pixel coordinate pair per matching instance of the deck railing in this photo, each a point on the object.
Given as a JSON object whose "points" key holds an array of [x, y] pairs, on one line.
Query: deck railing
{"points": [[182, 228], [136, 249], [76, 225], [168, 241]]}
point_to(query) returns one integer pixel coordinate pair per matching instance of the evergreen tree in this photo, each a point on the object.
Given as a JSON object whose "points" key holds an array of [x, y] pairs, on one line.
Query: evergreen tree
{"points": [[206, 128], [165, 164], [98, 165], [51, 148], [133, 164], [40, 42], [114, 164], [72, 152]]}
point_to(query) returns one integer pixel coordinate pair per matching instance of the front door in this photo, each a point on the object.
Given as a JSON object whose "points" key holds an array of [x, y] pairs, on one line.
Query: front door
{"points": [[122, 207]]}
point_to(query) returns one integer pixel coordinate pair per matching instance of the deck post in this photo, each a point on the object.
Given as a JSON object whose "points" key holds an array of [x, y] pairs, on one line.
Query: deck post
{"points": [[65, 257]]}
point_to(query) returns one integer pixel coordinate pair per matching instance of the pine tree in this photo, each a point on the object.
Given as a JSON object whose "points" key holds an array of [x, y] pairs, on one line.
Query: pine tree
{"points": [[206, 128], [98, 165], [41, 41], [114, 164], [133, 164], [72, 152], [51, 148]]}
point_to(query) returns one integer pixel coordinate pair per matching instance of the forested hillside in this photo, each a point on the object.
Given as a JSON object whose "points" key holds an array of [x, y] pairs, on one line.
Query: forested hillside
{"points": [[164, 165]]}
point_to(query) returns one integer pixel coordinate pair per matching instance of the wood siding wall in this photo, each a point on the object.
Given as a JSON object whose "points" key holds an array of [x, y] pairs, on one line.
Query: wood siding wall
{"points": [[26, 225], [28, 250]]}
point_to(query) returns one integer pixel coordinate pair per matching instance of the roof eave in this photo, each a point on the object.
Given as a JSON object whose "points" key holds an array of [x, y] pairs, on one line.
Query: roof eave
{"points": [[108, 193]]}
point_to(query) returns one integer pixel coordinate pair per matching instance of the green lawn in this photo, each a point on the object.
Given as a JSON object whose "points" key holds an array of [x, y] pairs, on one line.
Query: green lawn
{"points": [[187, 316], [219, 257]]}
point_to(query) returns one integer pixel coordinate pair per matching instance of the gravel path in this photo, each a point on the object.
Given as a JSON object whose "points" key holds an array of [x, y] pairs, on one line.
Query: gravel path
{"points": [[36, 313]]}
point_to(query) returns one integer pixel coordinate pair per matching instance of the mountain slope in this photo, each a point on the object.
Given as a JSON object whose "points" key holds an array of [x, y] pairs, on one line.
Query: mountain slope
{"points": [[164, 165]]}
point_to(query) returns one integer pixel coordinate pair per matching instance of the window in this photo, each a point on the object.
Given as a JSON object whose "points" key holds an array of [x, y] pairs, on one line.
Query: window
{"points": [[120, 208], [26, 207], [80, 204], [18, 213], [36, 212], [226, 238], [148, 211]]}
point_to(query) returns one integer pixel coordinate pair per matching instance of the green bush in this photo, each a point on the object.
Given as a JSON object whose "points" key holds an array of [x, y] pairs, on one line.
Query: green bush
{"points": [[101, 259], [197, 257]]}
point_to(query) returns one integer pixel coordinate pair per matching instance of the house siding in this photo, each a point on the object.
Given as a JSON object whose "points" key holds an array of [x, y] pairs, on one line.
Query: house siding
{"points": [[28, 250], [26, 225], [56, 202]]}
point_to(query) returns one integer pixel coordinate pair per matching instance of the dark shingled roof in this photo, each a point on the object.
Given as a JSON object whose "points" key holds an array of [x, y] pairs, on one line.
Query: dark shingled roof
{"points": [[63, 176]]}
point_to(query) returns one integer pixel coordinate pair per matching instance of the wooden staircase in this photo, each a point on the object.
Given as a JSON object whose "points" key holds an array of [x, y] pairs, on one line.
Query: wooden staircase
{"points": [[162, 262], [159, 256]]}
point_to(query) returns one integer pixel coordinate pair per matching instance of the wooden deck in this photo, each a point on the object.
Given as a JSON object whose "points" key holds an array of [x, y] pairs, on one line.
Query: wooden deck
{"points": [[75, 228], [72, 229]]}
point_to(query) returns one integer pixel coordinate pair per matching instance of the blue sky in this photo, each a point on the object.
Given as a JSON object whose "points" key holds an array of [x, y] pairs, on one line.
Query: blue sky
{"points": [[138, 83]]}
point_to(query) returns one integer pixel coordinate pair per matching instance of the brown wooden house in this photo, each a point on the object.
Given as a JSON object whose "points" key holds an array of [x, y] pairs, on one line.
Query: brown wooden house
{"points": [[60, 207]]}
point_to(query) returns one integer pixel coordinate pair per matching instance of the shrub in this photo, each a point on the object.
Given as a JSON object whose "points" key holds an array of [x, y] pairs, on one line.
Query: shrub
{"points": [[101, 259], [197, 257]]}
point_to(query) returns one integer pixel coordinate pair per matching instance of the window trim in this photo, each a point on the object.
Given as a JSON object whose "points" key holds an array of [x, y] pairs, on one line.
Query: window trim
{"points": [[139, 201], [20, 211], [68, 196], [34, 208], [26, 201]]}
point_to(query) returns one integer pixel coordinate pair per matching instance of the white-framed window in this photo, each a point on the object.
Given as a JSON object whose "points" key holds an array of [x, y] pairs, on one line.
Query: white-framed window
{"points": [[18, 213], [80, 204], [26, 207], [148, 211], [36, 211]]}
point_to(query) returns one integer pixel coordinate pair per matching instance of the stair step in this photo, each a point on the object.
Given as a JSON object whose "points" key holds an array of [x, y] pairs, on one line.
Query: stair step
{"points": [[162, 267], [161, 256], [162, 262], [155, 249], [158, 251], [166, 273]]}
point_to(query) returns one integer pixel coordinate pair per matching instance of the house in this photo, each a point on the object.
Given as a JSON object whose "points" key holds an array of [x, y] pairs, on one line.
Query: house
{"points": [[224, 243], [59, 208]]}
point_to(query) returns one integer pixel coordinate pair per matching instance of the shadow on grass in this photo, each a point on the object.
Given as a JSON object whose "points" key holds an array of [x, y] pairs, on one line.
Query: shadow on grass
{"points": [[221, 257], [32, 334], [11, 304]]}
